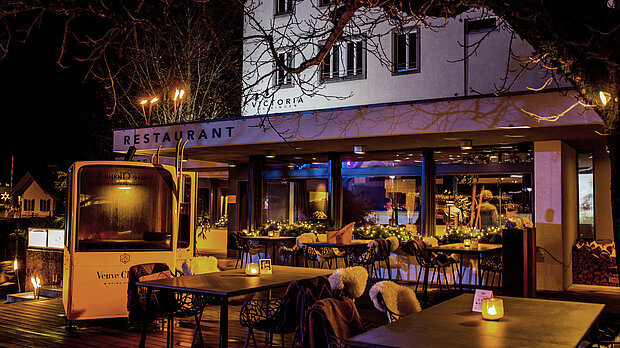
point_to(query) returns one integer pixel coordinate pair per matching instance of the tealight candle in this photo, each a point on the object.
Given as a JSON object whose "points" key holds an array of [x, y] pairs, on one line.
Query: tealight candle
{"points": [[251, 269], [467, 243], [270, 233], [492, 308]]}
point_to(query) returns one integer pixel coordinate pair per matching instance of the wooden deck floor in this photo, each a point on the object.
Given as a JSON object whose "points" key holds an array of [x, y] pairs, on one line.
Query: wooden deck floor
{"points": [[42, 324]]}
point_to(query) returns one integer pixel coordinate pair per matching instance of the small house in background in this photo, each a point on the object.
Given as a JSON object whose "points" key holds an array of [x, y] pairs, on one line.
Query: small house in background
{"points": [[33, 198]]}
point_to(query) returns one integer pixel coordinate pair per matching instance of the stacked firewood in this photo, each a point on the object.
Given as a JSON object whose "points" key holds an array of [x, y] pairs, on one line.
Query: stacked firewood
{"points": [[594, 263]]}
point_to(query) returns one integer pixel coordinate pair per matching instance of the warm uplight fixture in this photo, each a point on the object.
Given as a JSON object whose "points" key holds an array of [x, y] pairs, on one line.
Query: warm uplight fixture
{"points": [[466, 144], [605, 97], [492, 308], [270, 154], [358, 149], [251, 269], [36, 285]]}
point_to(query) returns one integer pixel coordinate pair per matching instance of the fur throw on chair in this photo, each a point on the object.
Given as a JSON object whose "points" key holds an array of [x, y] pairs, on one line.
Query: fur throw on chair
{"points": [[352, 280], [398, 298], [305, 238], [200, 265], [393, 241]]}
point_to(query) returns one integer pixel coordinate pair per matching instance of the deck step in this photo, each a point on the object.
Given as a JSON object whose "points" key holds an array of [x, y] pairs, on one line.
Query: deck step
{"points": [[45, 293]]}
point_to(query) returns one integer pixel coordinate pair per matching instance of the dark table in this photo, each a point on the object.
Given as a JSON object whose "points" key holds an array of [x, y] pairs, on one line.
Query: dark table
{"points": [[356, 243], [461, 249], [227, 284], [526, 323], [266, 239]]}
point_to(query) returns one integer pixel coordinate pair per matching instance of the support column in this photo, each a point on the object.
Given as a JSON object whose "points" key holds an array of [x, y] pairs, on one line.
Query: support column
{"points": [[427, 210], [334, 191], [255, 191]]}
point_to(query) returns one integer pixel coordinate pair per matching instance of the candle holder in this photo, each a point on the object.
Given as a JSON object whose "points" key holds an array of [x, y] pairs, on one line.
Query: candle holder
{"points": [[492, 308], [251, 269], [270, 234], [467, 243], [474, 243]]}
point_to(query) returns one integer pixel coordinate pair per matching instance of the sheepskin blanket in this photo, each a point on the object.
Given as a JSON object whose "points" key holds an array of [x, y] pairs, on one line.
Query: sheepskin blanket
{"points": [[352, 280], [398, 298], [200, 265], [305, 238], [393, 241]]}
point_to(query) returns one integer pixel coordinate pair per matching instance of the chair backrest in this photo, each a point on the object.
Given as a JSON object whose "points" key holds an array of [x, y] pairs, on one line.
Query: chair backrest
{"points": [[417, 248], [308, 237], [395, 300], [351, 280], [144, 272], [333, 319], [315, 289], [382, 249]]}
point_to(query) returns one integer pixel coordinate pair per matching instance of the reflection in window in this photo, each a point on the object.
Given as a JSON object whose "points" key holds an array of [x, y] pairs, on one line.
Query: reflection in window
{"points": [[382, 201], [585, 179], [123, 208], [294, 199], [482, 201]]}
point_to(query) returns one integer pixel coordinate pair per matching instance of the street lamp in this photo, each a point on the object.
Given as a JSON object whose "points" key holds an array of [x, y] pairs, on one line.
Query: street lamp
{"points": [[178, 95], [142, 102], [154, 100]]}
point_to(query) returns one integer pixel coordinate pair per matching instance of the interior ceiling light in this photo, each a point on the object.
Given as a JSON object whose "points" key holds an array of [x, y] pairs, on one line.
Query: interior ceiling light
{"points": [[270, 154], [359, 149], [466, 144]]}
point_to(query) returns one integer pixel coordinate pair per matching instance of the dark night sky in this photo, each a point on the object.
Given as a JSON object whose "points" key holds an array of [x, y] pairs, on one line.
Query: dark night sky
{"points": [[50, 117]]}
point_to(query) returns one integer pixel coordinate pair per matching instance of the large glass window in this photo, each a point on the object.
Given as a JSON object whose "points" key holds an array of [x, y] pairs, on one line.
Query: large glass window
{"points": [[295, 200], [483, 187], [585, 179], [382, 189], [123, 208]]}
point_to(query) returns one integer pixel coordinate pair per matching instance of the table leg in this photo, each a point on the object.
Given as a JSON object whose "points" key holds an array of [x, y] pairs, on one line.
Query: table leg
{"points": [[460, 272], [267, 334], [145, 322], [478, 268], [224, 323]]}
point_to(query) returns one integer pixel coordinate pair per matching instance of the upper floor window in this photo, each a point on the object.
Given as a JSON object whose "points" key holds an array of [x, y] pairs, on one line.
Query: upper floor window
{"points": [[282, 78], [346, 59], [28, 204], [324, 2], [480, 25], [406, 51], [45, 204], [283, 6]]}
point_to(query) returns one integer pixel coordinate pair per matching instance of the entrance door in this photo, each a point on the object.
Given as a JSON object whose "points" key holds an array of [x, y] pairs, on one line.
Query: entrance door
{"points": [[187, 218]]}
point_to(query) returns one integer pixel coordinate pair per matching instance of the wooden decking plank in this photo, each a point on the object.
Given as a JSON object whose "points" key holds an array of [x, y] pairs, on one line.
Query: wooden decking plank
{"points": [[42, 324]]}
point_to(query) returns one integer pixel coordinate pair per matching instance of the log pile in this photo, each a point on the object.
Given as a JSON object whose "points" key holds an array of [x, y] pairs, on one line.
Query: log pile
{"points": [[594, 263]]}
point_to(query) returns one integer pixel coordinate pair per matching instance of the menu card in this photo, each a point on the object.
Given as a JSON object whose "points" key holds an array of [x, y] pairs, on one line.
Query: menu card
{"points": [[478, 297]]}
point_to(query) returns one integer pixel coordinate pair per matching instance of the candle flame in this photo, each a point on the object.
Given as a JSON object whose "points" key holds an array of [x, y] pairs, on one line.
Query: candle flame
{"points": [[491, 310], [15, 266], [36, 282]]}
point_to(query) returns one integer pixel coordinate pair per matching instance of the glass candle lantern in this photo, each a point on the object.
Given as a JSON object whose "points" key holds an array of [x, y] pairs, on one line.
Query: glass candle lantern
{"points": [[492, 308], [270, 233], [251, 269], [467, 243], [474, 243]]}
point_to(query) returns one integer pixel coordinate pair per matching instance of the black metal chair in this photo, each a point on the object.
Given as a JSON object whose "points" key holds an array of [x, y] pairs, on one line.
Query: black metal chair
{"points": [[402, 300], [428, 260], [245, 249], [283, 315], [491, 265], [165, 305], [328, 327], [321, 256]]}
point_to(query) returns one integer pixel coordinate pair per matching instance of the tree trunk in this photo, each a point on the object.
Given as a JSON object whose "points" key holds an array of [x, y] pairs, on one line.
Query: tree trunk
{"points": [[613, 143]]}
